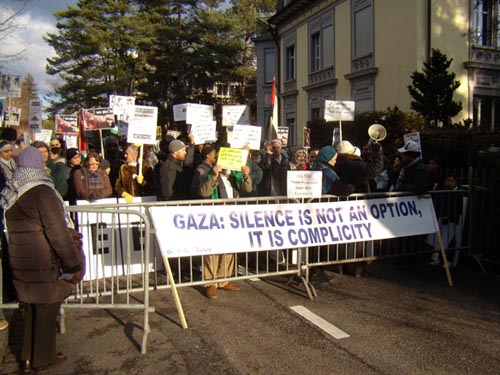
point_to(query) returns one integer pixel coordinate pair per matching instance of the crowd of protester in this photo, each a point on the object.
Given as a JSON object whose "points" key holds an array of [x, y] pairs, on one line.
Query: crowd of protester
{"points": [[178, 169]]}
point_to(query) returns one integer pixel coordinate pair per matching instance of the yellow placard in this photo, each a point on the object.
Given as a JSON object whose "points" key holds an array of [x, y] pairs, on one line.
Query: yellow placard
{"points": [[232, 158]]}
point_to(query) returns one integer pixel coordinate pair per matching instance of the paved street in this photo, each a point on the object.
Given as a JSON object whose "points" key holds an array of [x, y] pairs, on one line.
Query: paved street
{"points": [[399, 320]]}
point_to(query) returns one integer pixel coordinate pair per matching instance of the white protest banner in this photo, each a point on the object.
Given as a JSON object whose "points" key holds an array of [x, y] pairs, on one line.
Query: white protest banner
{"points": [[204, 132], [336, 110], [43, 135], [123, 107], [193, 113], [246, 135], [304, 184], [235, 114], [35, 115], [142, 127], [202, 230], [232, 158]]}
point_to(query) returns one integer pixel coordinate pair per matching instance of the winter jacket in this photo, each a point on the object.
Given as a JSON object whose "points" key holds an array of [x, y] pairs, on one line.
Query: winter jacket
{"points": [[40, 247]]}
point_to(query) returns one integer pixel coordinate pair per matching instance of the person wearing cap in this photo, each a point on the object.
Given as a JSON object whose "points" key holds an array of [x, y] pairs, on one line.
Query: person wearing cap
{"points": [[73, 163], [415, 176], [275, 167], [131, 181], [211, 182], [41, 248], [175, 173]]}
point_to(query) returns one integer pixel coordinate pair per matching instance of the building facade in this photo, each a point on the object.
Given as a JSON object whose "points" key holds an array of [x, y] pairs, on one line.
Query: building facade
{"points": [[366, 51]]}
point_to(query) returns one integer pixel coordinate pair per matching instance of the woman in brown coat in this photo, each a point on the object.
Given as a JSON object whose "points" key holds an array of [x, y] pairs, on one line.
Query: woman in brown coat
{"points": [[91, 181], [41, 248]]}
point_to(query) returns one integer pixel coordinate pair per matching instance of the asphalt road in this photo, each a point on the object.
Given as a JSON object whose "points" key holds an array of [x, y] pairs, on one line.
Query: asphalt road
{"points": [[399, 320]]}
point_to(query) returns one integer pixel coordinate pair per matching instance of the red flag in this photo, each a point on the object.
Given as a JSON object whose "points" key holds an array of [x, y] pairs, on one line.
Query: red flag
{"points": [[273, 120], [83, 144]]}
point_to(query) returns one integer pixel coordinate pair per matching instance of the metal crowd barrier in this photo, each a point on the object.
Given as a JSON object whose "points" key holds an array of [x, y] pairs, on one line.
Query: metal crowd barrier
{"points": [[124, 262]]}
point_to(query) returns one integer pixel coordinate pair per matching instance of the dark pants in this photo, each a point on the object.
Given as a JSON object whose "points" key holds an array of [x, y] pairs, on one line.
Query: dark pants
{"points": [[39, 340]]}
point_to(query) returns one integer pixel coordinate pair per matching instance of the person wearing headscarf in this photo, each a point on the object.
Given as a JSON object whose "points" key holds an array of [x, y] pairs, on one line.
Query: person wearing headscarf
{"points": [[41, 249], [7, 162], [299, 160], [330, 182], [7, 167]]}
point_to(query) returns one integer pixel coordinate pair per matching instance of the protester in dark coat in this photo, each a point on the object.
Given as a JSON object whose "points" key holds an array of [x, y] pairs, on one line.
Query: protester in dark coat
{"points": [[275, 167], [415, 176], [41, 248], [354, 171], [175, 174]]}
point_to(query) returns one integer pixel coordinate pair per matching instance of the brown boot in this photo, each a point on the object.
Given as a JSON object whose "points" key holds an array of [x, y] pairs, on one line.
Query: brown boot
{"points": [[211, 292]]}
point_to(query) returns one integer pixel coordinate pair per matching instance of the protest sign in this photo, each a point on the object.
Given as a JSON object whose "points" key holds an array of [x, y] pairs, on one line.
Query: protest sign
{"points": [[98, 118], [10, 85], [246, 135], [304, 184], [12, 116], [43, 135], [203, 230], [66, 123], [204, 132], [235, 114], [193, 113], [232, 158], [336, 110], [142, 127], [123, 107], [415, 137], [35, 115], [283, 135]]}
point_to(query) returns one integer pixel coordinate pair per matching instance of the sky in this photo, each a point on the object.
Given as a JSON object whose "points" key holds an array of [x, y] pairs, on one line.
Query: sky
{"points": [[35, 22]]}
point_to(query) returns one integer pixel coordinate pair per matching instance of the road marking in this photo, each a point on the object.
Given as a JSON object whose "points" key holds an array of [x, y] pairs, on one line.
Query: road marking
{"points": [[320, 322]]}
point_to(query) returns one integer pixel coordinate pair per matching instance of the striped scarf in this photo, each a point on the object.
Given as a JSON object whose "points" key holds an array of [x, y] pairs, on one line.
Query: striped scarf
{"points": [[22, 181]]}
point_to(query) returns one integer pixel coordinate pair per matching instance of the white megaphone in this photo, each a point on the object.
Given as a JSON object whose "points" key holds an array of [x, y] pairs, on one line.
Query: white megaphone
{"points": [[377, 132]]}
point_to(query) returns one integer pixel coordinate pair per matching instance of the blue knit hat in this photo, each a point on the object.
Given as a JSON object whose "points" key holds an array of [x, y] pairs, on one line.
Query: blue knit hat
{"points": [[325, 154]]}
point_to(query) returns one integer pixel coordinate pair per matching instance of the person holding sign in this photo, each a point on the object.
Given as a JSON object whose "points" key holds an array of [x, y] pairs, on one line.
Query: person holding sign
{"points": [[131, 181], [275, 167], [209, 181]]}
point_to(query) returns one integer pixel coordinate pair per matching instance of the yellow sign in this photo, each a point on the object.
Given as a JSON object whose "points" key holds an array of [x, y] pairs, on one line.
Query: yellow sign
{"points": [[232, 158]]}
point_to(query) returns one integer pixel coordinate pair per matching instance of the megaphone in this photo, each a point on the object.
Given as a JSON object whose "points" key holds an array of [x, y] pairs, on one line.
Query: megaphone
{"points": [[377, 132]]}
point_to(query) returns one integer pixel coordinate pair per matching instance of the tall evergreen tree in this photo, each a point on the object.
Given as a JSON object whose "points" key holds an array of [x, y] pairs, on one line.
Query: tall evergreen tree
{"points": [[432, 90]]}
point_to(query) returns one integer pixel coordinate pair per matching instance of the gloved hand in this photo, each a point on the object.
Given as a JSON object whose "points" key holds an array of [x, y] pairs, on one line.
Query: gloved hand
{"points": [[128, 198], [140, 179]]}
